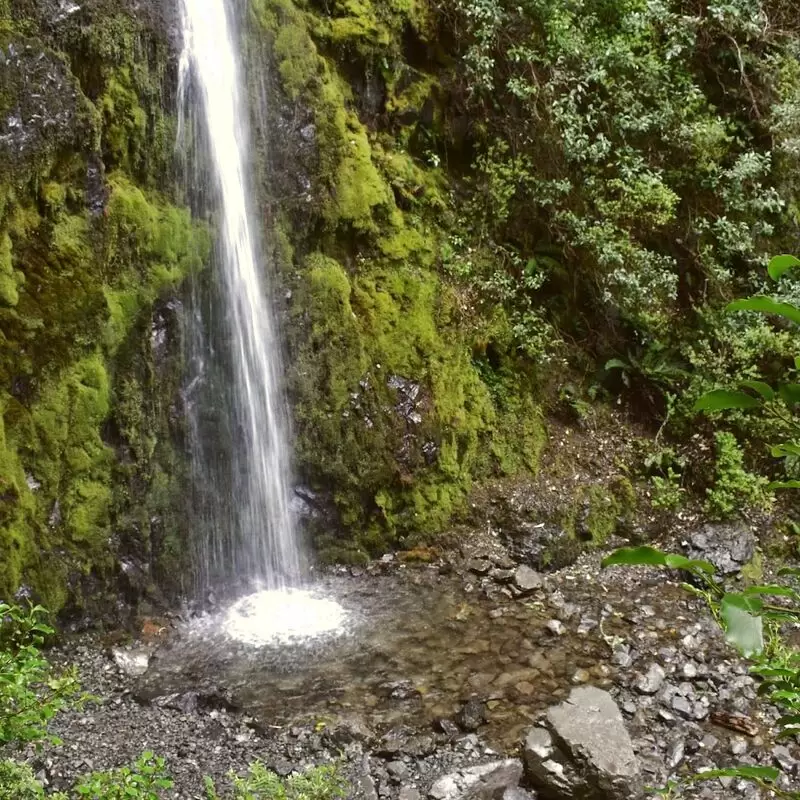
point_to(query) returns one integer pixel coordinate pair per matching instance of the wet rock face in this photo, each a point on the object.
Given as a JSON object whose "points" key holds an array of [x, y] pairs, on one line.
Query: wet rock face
{"points": [[729, 547], [38, 100], [584, 751]]}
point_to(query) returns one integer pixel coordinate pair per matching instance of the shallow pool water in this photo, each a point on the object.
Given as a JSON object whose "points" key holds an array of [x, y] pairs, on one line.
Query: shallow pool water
{"points": [[397, 649]]}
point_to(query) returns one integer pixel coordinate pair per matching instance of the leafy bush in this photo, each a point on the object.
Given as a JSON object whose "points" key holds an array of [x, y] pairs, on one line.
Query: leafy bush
{"points": [[31, 692], [734, 487]]}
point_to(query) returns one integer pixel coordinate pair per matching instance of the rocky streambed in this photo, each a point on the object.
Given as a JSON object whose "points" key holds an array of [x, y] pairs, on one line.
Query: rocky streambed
{"points": [[469, 676]]}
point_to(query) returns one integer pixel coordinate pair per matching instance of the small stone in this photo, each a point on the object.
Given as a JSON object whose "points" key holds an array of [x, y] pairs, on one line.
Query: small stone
{"points": [[689, 670], [444, 788], [409, 793], [652, 681], [480, 566], [738, 746], [556, 627], [581, 676], [675, 755], [397, 769], [682, 706], [783, 758], [527, 580]]}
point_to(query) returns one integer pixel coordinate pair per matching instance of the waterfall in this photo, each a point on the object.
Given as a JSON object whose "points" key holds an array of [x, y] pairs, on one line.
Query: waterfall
{"points": [[237, 420]]}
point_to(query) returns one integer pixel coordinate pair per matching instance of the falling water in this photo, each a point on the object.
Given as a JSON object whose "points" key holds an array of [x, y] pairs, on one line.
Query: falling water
{"points": [[234, 401]]}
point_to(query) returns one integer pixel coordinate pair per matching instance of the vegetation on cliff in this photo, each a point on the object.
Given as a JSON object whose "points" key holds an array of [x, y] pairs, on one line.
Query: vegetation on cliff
{"points": [[483, 215]]}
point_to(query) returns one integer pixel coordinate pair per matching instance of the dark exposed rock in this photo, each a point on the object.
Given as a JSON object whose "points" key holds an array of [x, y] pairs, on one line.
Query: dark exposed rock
{"points": [[727, 546], [471, 715]]}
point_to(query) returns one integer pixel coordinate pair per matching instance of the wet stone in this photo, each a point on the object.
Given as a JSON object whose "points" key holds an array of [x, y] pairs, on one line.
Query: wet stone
{"points": [[480, 566], [471, 715], [527, 580]]}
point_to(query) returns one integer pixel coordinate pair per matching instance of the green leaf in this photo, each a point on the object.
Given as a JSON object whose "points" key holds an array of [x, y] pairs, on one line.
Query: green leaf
{"points": [[766, 305], [777, 591], [681, 562], [785, 449], [790, 393], [615, 363], [783, 485], [636, 557], [721, 399], [744, 628], [764, 389], [793, 571], [779, 265], [767, 774]]}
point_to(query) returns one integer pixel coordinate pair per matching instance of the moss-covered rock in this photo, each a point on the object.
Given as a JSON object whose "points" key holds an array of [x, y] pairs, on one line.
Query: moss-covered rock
{"points": [[87, 431]]}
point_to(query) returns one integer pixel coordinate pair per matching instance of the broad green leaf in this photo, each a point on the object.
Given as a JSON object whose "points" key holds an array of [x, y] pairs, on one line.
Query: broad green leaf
{"points": [[764, 389], [744, 628], [783, 485], [779, 265], [767, 774], [790, 393], [789, 719], [635, 557], [766, 305], [777, 591], [681, 562], [721, 399], [785, 449], [615, 363]]}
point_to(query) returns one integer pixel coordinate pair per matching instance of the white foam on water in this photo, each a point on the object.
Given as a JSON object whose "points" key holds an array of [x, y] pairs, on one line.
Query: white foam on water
{"points": [[283, 615]]}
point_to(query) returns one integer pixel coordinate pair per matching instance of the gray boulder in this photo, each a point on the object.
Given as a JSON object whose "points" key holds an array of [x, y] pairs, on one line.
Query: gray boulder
{"points": [[584, 751]]}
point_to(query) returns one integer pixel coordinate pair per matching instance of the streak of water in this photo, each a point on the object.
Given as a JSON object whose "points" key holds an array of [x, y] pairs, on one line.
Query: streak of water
{"points": [[249, 531]]}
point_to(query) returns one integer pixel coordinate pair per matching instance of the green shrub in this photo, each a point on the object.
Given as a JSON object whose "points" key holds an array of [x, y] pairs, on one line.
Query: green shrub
{"points": [[146, 779], [734, 487], [31, 692]]}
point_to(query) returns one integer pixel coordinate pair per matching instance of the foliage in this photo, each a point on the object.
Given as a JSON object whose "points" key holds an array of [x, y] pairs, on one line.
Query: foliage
{"points": [[31, 692], [146, 779], [316, 783], [751, 620], [734, 487], [777, 402], [602, 134]]}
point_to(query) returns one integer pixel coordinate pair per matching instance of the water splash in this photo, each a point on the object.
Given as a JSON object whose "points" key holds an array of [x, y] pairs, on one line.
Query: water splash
{"points": [[234, 402], [274, 617]]}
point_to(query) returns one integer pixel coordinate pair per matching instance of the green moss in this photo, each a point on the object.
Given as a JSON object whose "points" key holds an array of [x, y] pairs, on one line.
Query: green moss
{"points": [[9, 277], [600, 510]]}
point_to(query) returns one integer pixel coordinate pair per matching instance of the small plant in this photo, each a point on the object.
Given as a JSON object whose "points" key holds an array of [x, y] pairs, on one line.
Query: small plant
{"points": [[317, 783], [146, 779]]}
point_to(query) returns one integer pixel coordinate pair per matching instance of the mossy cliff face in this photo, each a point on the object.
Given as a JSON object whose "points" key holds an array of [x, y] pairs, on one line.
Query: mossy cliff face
{"points": [[405, 389], [91, 250]]}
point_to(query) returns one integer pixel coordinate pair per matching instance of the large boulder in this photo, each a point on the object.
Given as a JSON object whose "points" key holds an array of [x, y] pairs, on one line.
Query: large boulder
{"points": [[583, 751]]}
